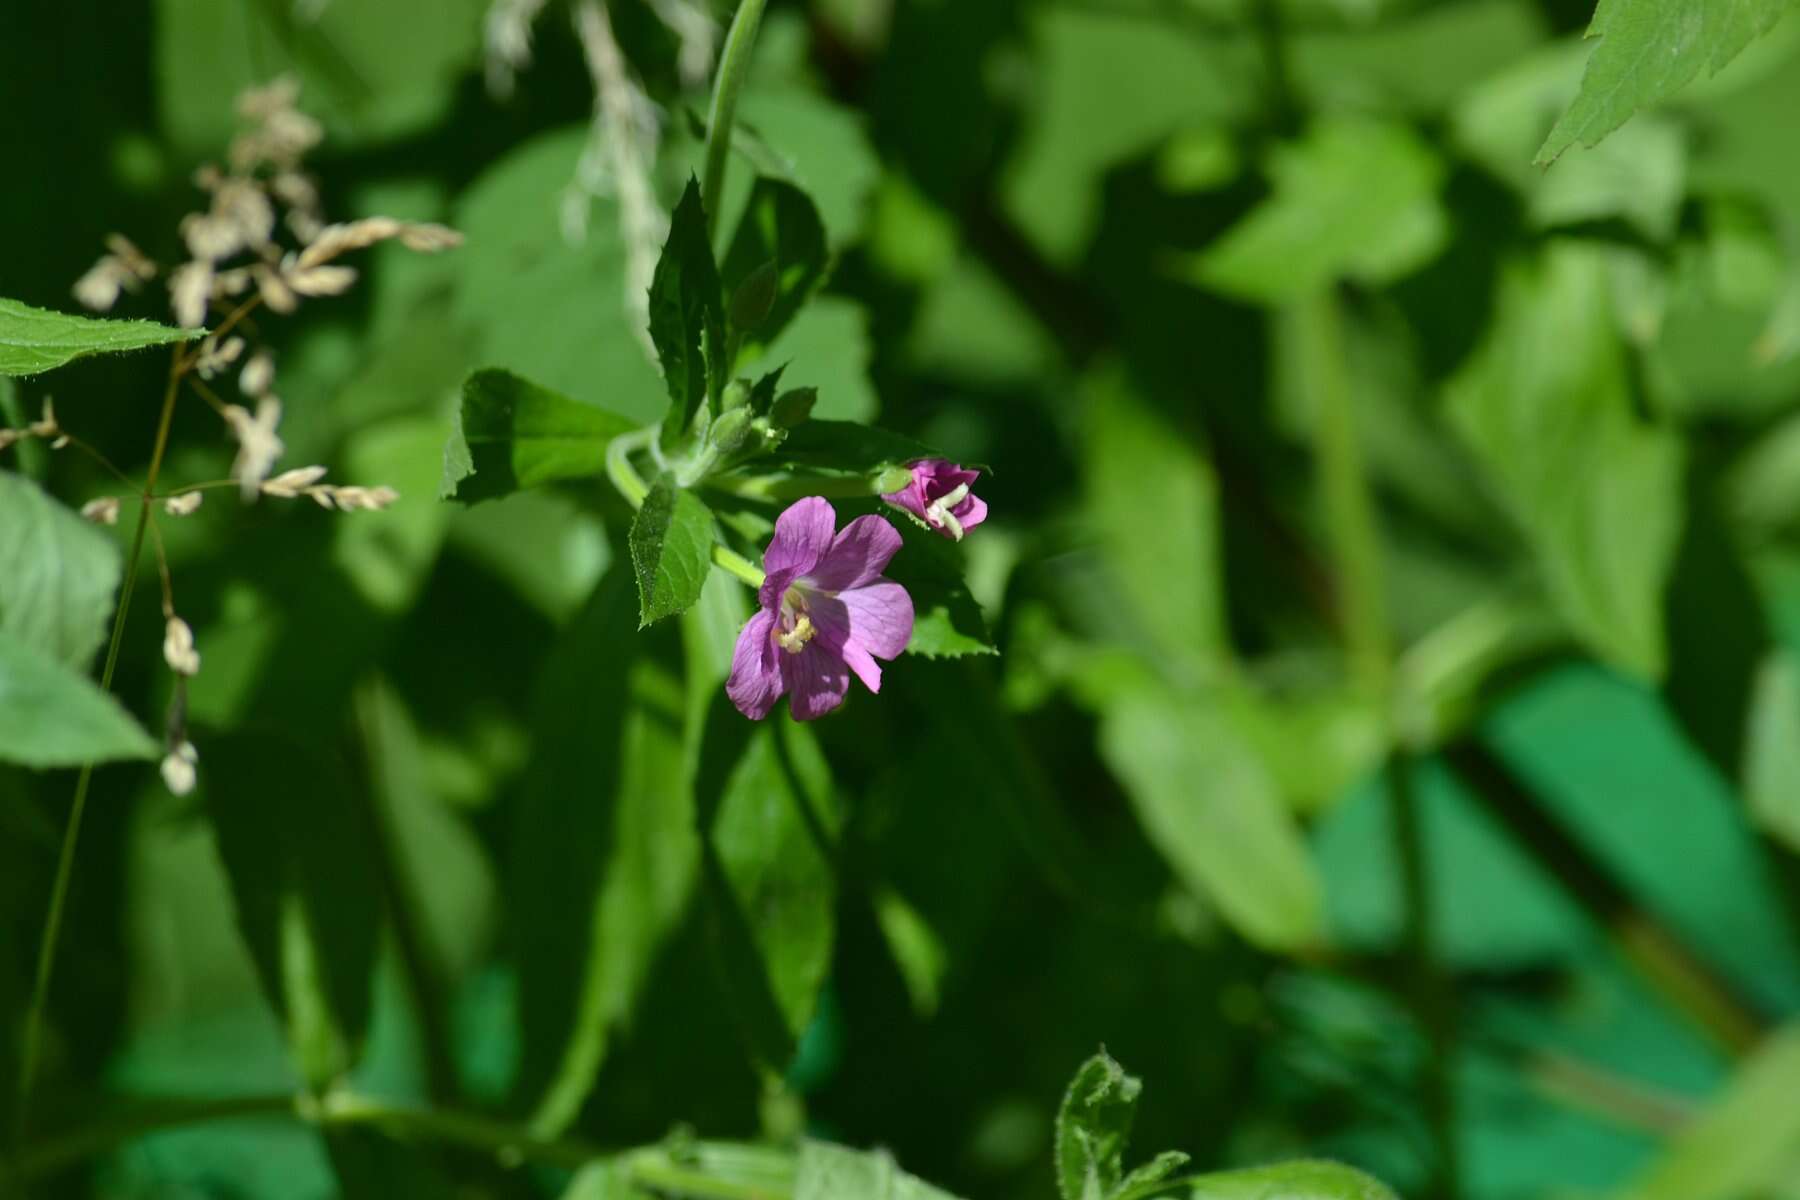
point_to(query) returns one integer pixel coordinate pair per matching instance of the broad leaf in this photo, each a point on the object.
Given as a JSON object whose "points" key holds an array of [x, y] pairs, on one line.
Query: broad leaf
{"points": [[1648, 50], [1746, 1141], [849, 446], [1546, 405], [829, 1172], [1093, 1127], [36, 339], [50, 716], [671, 551], [771, 880], [1211, 805], [605, 856], [1153, 503], [780, 229], [1303, 1180], [828, 347], [58, 574], [1355, 199], [304, 881], [512, 434], [687, 316]]}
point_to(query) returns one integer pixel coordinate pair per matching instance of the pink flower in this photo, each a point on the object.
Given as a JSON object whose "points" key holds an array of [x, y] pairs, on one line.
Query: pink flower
{"points": [[938, 496], [827, 612]]}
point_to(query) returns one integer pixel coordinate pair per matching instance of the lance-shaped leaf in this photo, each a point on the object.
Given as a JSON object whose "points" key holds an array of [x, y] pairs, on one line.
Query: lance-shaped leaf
{"points": [[1649, 49], [1306, 1179], [36, 339], [777, 250], [687, 316], [512, 434], [1093, 1127]]}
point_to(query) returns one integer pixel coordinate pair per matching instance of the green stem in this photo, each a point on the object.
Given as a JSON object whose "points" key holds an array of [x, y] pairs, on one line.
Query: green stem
{"points": [[736, 564], [624, 476], [65, 860], [781, 488], [734, 65], [1349, 505]]}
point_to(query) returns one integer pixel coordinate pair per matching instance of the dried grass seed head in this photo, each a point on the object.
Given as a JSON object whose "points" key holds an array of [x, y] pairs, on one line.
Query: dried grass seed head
{"points": [[178, 768], [183, 504], [102, 510], [178, 648], [290, 484], [258, 443]]}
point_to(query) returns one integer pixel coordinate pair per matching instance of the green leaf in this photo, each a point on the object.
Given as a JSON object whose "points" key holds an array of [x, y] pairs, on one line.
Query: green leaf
{"points": [[1211, 805], [687, 316], [512, 434], [58, 574], [829, 1172], [296, 849], [1648, 50], [780, 226], [1093, 1127], [1546, 406], [819, 146], [1303, 1180], [36, 339], [1153, 503], [1745, 1142], [849, 446], [1772, 748], [919, 954], [52, 717], [827, 347], [554, 312], [671, 551], [1355, 199], [772, 885], [605, 854], [947, 622]]}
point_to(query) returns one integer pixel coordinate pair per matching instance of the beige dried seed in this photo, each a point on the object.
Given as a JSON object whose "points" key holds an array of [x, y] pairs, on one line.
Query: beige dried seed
{"points": [[178, 768], [273, 289], [320, 281], [189, 288], [178, 648], [290, 484], [183, 504], [258, 443], [103, 510], [98, 290], [258, 374]]}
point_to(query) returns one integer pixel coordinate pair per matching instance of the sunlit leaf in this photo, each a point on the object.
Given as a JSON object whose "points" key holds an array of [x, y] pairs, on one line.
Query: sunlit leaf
{"points": [[671, 551], [512, 434], [58, 574], [50, 716], [35, 339], [687, 315]]}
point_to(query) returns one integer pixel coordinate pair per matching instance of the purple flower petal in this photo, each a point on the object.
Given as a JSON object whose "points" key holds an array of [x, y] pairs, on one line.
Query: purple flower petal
{"points": [[911, 498], [881, 618], [971, 512], [756, 681], [859, 553], [816, 681], [802, 536]]}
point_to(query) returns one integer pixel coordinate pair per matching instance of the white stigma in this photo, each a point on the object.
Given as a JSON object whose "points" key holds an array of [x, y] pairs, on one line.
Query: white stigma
{"points": [[939, 513]]}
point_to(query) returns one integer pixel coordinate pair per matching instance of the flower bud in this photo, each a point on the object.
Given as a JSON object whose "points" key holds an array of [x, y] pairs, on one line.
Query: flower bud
{"points": [[935, 493]]}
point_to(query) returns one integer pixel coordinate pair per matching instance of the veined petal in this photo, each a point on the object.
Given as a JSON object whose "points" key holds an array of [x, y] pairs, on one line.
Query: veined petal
{"points": [[971, 512], [859, 553], [756, 681], [875, 621], [816, 681], [802, 536]]}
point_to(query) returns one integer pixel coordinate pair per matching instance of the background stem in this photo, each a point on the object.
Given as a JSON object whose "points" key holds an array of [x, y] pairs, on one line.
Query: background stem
{"points": [[734, 65]]}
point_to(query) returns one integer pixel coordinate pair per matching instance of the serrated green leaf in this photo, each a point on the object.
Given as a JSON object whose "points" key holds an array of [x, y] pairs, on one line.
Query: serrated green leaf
{"points": [[305, 888], [1148, 1178], [671, 551], [780, 226], [1212, 806], [35, 339], [687, 316], [1355, 199], [849, 446], [1744, 1142], [829, 1172], [947, 621], [1546, 406], [1648, 50], [1308, 1179], [827, 347], [58, 574], [1093, 1127], [512, 434], [50, 716]]}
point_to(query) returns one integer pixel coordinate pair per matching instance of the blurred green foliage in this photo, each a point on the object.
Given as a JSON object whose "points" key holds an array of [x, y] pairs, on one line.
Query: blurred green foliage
{"points": [[1390, 420]]}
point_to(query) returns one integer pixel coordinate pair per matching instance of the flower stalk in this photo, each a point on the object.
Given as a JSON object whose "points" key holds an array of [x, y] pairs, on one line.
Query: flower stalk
{"points": [[734, 66]]}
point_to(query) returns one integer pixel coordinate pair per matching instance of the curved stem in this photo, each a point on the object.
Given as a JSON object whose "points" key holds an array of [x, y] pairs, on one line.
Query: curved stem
{"points": [[65, 860], [734, 64], [793, 487], [624, 476], [736, 564]]}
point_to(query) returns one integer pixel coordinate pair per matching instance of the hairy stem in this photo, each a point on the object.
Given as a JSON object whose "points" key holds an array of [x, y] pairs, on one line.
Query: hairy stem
{"points": [[619, 470], [736, 564], [734, 65], [65, 860]]}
